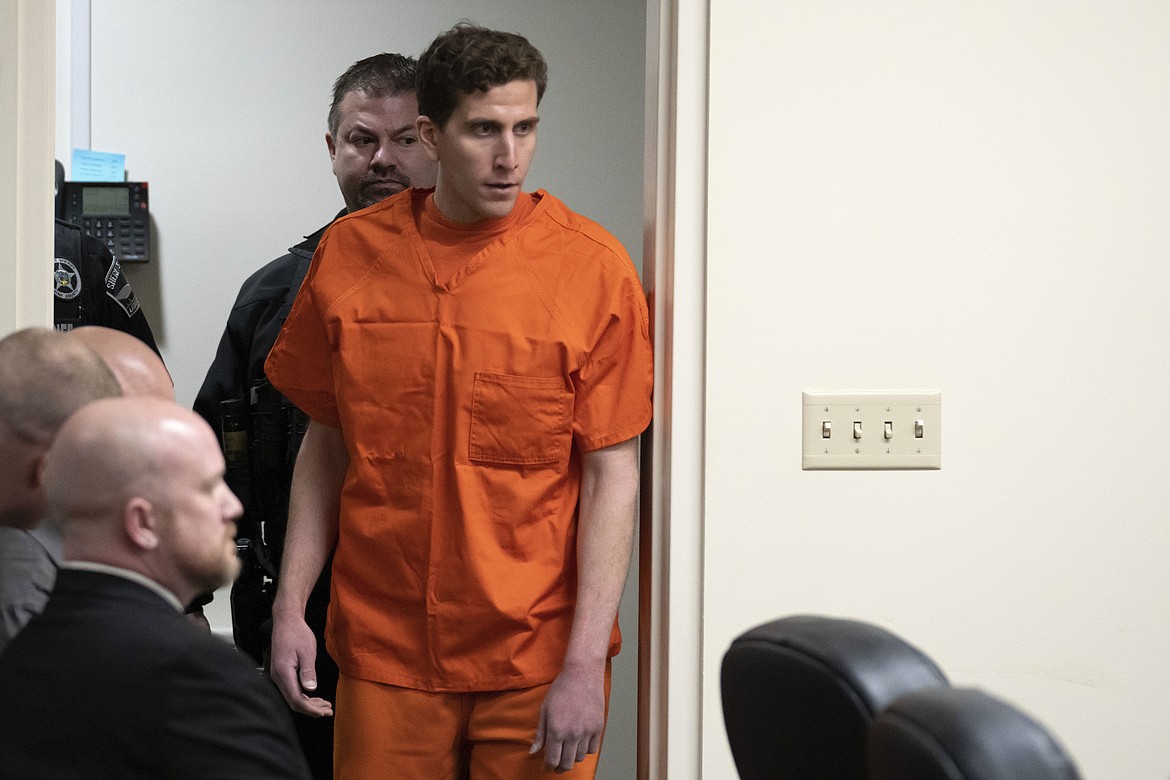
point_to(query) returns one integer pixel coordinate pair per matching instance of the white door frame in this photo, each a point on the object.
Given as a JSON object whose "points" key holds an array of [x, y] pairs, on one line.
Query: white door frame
{"points": [[670, 659]]}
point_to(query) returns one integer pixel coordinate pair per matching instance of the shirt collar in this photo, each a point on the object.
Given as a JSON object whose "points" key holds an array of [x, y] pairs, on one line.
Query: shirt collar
{"points": [[126, 574]]}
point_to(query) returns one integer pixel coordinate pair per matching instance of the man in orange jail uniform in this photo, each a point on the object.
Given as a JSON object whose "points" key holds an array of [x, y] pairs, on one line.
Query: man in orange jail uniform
{"points": [[477, 365]]}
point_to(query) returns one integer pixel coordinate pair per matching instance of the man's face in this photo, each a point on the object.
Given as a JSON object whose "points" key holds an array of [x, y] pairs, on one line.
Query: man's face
{"points": [[201, 531], [376, 152], [483, 151]]}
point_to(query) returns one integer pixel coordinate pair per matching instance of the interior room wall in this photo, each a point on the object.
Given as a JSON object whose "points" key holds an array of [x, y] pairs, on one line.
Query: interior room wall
{"points": [[26, 189], [221, 105], [972, 198]]}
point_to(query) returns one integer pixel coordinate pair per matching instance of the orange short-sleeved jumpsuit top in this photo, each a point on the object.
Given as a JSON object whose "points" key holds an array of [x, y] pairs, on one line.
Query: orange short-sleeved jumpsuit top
{"points": [[465, 406]]}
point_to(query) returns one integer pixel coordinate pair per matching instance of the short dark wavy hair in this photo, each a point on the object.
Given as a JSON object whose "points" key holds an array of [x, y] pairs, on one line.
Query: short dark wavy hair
{"points": [[383, 75], [467, 58]]}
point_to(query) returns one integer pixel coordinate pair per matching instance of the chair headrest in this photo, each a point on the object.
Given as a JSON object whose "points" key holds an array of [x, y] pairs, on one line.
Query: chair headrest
{"points": [[799, 694], [962, 734]]}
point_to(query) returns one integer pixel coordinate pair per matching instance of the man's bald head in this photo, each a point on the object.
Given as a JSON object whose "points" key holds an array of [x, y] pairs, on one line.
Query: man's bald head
{"points": [[139, 370], [44, 378], [138, 483]]}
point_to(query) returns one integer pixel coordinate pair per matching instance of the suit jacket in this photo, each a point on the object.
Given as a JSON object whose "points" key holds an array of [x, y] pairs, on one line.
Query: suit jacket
{"points": [[111, 681], [28, 567]]}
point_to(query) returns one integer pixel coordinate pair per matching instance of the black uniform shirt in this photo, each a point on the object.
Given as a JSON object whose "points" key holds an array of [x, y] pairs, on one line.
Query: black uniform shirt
{"points": [[89, 287]]}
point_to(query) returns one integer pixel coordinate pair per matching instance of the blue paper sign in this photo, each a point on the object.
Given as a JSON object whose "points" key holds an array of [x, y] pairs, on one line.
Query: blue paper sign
{"points": [[89, 165]]}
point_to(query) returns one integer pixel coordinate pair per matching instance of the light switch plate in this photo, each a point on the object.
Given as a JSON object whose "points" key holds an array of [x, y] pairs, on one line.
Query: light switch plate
{"points": [[872, 430]]}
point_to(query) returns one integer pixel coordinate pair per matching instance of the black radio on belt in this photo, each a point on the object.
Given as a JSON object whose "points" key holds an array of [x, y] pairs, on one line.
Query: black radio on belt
{"points": [[116, 213]]}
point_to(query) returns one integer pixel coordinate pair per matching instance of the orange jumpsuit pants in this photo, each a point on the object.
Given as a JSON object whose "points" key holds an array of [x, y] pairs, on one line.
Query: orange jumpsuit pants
{"points": [[387, 731]]}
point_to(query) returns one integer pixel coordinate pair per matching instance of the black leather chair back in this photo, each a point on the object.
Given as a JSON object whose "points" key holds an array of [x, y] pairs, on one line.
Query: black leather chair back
{"points": [[962, 734], [799, 694]]}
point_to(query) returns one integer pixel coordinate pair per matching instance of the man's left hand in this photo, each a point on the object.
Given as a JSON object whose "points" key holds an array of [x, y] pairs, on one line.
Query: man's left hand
{"points": [[572, 718]]}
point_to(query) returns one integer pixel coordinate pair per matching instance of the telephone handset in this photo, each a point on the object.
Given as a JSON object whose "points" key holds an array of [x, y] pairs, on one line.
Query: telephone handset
{"points": [[116, 213]]}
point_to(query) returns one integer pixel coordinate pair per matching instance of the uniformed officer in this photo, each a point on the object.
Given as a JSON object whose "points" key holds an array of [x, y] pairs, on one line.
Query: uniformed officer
{"points": [[89, 287]]}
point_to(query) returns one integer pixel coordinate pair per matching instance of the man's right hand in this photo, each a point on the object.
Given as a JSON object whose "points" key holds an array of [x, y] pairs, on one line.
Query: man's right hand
{"points": [[294, 658], [314, 498]]}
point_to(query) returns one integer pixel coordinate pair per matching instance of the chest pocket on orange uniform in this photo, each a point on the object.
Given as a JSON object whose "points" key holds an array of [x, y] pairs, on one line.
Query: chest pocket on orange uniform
{"points": [[519, 420]]}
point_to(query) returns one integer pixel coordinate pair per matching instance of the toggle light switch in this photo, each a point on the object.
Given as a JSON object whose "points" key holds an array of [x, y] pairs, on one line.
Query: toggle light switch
{"points": [[903, 430]]}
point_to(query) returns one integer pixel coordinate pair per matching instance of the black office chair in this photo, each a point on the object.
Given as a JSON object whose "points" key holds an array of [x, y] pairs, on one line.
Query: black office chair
{"points": [[799, 694], [962, 734]]}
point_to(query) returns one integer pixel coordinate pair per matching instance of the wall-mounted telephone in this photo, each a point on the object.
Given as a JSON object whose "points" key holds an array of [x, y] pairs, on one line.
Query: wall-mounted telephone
{"points": [[117, 213]]}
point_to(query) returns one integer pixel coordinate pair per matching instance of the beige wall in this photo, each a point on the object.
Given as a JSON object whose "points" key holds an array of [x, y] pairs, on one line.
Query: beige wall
{"points": [[26, 165], [970, 197]]}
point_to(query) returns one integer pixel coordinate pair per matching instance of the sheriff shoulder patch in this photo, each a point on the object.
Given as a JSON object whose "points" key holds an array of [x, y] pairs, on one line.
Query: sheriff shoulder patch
{"points": [[118, 288]]}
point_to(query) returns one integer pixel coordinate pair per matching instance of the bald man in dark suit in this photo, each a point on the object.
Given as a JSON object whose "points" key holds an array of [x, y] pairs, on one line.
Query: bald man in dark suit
{"points": [[110, 680], [45, 376]]}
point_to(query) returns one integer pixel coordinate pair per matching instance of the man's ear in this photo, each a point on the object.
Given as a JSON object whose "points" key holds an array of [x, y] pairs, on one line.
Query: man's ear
{"points": [[428, 134], [141, 523], [36, 474], [332, 146]]}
